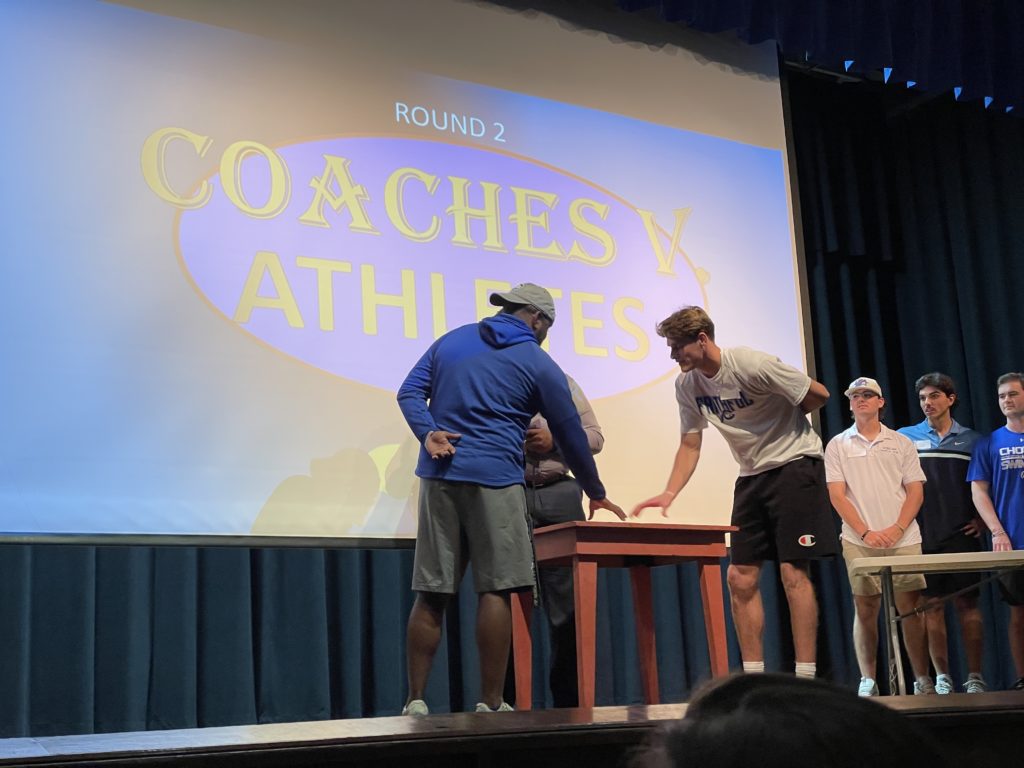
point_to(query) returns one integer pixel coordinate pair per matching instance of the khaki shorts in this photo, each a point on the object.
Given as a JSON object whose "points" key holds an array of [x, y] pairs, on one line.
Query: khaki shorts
{"points": [[463, 523], [872, 585]]}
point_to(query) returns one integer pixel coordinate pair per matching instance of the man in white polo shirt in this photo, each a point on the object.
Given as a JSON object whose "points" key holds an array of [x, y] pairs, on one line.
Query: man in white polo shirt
{"points": [[876, 484]]}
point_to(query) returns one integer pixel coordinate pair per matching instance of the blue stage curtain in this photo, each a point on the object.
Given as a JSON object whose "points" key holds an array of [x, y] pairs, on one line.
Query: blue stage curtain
{"points": [[102, 639], [119, 639], [912, 229], [939, 44]]}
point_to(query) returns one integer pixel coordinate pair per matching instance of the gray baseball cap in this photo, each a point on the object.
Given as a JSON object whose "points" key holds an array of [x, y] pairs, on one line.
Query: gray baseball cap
{"points": [[528, 294]]}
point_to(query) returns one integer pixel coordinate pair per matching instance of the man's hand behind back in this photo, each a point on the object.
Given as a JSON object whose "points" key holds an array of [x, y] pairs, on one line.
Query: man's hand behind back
{"points": [[440, 444]]}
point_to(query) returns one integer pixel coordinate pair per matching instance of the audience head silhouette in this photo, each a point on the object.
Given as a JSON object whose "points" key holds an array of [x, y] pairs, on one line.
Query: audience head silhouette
{"points": [[779, 721]]}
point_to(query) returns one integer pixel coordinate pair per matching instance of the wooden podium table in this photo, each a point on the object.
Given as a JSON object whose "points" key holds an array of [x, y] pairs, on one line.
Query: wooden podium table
{"points": [[586, 546]]}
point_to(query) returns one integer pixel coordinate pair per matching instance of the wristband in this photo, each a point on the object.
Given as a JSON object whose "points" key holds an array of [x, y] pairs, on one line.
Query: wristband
{"points": [[864, 535], [427, 437], [902, 529], [1000, 532]]}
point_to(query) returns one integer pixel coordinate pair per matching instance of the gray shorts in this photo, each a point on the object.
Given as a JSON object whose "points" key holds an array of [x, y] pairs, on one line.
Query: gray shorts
{"points": [[463, 522]]}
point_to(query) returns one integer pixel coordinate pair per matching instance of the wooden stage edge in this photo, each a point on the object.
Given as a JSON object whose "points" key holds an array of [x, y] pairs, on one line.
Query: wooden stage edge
{"points": [[979, 727]]}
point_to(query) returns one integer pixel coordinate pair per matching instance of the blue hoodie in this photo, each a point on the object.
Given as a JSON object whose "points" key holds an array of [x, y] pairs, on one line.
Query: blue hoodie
{"points": [[485, 381]]}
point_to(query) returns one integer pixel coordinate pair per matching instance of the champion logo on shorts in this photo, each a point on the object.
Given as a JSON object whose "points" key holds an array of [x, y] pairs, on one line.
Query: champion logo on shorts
{"points": [[807, 540]]}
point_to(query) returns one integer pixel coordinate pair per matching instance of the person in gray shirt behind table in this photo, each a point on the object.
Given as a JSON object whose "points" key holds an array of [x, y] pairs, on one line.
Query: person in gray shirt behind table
{"points": [[553, 496]]}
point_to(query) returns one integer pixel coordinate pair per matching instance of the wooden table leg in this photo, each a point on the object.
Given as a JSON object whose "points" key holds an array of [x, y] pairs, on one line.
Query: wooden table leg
{"points": [[643, 614], [584, 576], [522, 647], [714, 615]]}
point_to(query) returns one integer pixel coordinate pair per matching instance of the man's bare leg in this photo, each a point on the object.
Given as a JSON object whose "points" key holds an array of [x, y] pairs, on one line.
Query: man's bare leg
{"points": [[803, 609], [865, 632], [1017, 638], [423, 635], [493, 638], [938, 642], [913, 632], [747, 609], [971, 625]]}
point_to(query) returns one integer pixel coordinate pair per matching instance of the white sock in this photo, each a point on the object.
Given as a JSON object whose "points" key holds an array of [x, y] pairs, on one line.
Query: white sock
{"points": [[806, 669], [751, 667]]}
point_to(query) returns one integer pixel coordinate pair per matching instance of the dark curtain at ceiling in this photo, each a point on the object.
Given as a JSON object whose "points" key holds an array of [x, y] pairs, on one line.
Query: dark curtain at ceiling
{"points": [[940, 44]]}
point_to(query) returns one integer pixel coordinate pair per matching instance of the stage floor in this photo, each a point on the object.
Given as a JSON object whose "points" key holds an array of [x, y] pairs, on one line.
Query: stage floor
{"points": [[982, 727]]}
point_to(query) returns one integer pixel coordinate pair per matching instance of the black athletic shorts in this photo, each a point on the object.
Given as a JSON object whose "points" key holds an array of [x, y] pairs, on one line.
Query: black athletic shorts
{"points": [[947, 583], [783, 514], [1011, 586]]}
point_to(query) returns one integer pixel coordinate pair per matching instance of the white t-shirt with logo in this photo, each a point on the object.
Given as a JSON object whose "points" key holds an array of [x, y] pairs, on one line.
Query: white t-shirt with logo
{"points": [[754, 401], [876, 473]]}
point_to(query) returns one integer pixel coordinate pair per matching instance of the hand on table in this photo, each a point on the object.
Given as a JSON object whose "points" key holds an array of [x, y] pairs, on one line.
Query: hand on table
{"points": [[663, 500], [605, 503]]}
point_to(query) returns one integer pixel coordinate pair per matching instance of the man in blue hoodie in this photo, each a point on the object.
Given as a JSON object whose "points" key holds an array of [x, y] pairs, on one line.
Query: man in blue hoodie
{"points": [[469, 401]]}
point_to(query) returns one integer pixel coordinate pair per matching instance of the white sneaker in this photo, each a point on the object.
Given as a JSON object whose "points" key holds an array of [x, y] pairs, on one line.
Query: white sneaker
{"points": [[944, 684], [924, 686], [868, 687], [975, 683], [416, 708], [503, 707]]}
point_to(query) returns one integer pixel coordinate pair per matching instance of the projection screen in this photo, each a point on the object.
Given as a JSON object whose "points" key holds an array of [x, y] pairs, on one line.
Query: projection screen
{"points": [[230, 229]]}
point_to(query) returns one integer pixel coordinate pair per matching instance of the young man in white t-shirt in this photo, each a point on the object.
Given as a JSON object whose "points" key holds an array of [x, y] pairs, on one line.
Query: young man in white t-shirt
{"points": [[876, 484], [760, 406]]}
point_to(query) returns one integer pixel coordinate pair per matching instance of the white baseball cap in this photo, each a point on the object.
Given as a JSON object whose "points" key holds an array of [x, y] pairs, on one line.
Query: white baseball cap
{"points": [[863, 382]]}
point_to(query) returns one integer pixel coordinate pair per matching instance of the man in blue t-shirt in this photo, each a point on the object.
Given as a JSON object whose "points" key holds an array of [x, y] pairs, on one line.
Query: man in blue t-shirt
{"points": [[997, 485], [948, 524]]}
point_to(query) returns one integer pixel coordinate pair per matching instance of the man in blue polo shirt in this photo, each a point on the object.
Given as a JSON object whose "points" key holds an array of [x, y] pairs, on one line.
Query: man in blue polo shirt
{"points": [[948, 524], [997, 485]]}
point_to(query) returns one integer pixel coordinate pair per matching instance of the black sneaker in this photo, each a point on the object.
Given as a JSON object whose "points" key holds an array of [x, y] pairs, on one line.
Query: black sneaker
{"points": [[1019, 685]]}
